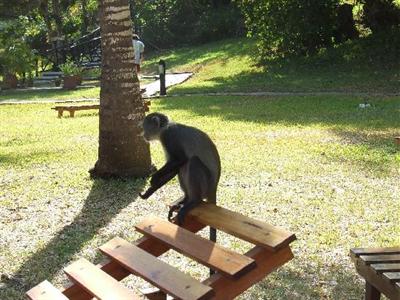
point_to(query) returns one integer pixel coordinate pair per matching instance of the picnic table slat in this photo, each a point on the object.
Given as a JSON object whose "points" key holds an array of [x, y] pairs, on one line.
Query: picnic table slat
{"points": [[392, 276], [381, 258], [216, 257], [386, 267], [45, 291], [160, 274], [76, 107], [96, 282], [371, 251], [245, 228]]}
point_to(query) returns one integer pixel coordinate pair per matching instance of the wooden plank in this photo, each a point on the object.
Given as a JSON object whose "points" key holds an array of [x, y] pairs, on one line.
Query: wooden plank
{"points": [[96, 282], [45, 291], [157, 272], [386, 267], [381, 258], [75, 292], [267, 262], [392, 276], [203, 251], [371, 251], [253, 231]]}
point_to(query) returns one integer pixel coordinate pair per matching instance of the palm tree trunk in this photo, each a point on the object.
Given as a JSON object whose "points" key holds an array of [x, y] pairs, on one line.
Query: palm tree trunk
{"points": [[122, 152]]}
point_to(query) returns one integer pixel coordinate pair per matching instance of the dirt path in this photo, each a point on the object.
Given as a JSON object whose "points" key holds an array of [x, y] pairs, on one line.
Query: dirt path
{"points": [[153, 88]]}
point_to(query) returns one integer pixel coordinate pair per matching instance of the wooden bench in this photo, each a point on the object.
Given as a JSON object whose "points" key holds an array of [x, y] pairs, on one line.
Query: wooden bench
{"points": [[72, 108], [397, 140], [235, 272], [380, 267]]}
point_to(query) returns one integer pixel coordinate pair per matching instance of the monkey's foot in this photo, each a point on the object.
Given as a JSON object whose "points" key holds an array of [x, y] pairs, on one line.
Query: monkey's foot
{"points": [[173, 209], [143, 196]]}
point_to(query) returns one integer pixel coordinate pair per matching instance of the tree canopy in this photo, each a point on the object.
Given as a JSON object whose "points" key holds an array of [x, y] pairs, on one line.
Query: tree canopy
{"points": [[282, 27]]}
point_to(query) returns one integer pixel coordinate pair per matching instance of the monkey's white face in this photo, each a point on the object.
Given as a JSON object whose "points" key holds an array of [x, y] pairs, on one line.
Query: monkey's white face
{"points": [[150, 133]]}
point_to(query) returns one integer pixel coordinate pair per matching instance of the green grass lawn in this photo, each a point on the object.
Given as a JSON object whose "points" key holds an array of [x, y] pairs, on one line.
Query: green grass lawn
{"points": [[318, 166]]}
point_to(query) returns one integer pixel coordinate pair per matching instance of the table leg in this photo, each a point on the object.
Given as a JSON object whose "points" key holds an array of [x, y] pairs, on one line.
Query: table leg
{"points": [[371, 293]]}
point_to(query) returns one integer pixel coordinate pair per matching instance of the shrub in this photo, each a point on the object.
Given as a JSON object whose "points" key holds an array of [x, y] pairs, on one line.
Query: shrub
{"points": [[286, 27]]}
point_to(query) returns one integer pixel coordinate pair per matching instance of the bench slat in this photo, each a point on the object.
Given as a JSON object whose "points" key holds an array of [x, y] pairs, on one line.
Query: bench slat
{"points": [[392, 276], [45, 291], [155, 271], [383, 258], [218, 258], [245, 228], [76, 107], [96, 282], [367, 251], [386, 267]]}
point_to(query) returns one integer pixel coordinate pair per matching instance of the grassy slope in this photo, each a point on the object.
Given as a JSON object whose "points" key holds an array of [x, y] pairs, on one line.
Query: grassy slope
{"points": [[318, 166], [230, 66]]}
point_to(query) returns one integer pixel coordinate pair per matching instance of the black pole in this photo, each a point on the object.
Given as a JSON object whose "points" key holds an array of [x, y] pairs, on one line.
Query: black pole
{"points": [[161, 71]]}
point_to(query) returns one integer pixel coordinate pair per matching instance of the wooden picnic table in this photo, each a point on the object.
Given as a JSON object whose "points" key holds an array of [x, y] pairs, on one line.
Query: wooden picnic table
{"points": [[380, 267], [235, 272]]}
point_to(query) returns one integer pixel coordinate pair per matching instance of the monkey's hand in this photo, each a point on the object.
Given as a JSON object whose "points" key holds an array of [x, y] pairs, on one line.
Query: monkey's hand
{"points": [[148, 193]]}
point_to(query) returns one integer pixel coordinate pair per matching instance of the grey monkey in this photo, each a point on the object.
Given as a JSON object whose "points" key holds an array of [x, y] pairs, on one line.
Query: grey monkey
{"points": [[190, 154]]}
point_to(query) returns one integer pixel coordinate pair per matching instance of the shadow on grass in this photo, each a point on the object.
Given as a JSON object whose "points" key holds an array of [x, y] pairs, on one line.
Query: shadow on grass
{"points": [[47, 94], [371, 128], [337, 112], [105, 201], [311, 80], [34, 156]]}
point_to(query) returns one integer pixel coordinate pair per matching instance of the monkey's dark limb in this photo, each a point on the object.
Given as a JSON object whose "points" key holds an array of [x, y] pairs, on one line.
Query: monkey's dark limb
{"points": [[197, 179], [159, 182], [171, 167]]}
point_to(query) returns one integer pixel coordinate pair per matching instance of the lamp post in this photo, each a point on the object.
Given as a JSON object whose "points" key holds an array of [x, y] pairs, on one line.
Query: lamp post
{"points": [[161, 72]]}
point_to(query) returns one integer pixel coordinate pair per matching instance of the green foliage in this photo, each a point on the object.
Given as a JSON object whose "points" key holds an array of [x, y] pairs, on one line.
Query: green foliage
{"points": [[69, 68], [286, 27], [167, 23], [15, 54]]}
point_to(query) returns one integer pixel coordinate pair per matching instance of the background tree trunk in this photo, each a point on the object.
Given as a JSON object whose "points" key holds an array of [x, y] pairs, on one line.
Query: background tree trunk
{"points": [[122, 152], [84, 16]]}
